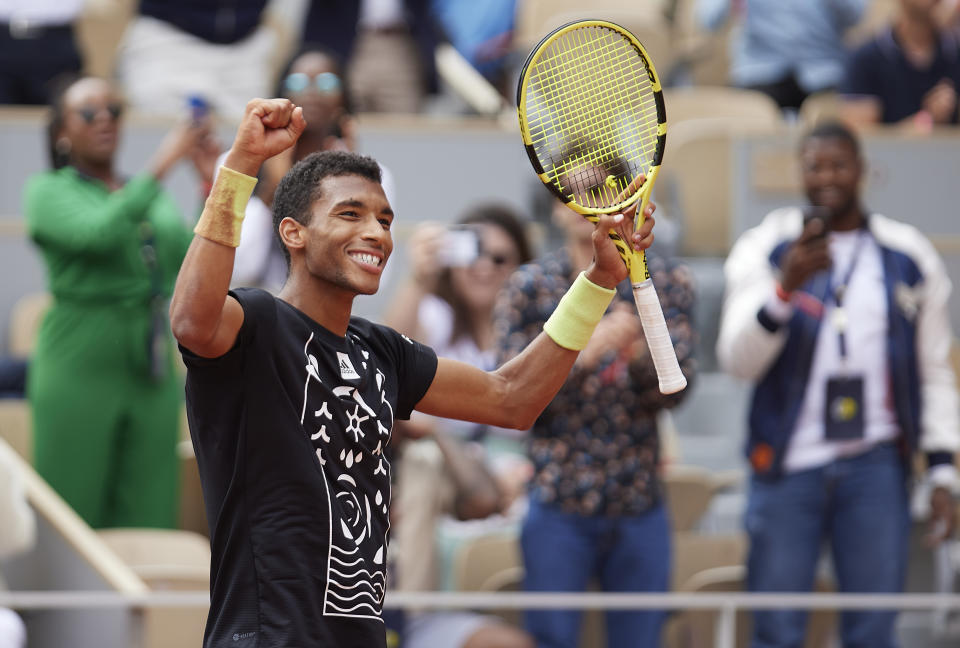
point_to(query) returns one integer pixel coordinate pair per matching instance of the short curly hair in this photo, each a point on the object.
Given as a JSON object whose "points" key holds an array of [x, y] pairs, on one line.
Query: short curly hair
{"points": [[834, 130], [300, 187]]}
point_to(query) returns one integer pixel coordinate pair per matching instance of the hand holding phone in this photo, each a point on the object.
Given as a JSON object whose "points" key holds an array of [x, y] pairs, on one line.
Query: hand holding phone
{"points": [[461, 246], [810, 253], [199, 109]]}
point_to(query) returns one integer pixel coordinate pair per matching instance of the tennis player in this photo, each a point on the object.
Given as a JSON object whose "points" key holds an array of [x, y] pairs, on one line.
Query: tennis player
{"points": [[291, 400]]}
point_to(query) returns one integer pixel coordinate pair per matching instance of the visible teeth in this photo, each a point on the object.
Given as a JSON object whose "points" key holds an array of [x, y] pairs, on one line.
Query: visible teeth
{"points": [[369, 259]]}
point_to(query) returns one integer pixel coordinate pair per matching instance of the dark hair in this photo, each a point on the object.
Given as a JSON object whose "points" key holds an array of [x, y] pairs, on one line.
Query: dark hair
{"points": [[506, 219], [497, 215], [300, 187], [58, 90], [832, 129]]}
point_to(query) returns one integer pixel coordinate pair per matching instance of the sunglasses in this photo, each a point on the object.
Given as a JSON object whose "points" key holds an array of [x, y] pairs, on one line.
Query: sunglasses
{"points": [[324, 83], [89, 113]]}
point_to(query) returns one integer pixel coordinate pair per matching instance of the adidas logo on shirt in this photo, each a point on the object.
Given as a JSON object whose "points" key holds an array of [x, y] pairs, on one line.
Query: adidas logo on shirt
{"points": [[347, 372]]}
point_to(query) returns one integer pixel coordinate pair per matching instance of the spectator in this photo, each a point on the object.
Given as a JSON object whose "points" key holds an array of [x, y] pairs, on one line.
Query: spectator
{"points": [[483, 34], [17, 534], [37, 44], [787, 49], [596, 502], [388, 46], [313, 80], [448, 304], [909, 73], [177, 49], [105, 399], [841, 321]]}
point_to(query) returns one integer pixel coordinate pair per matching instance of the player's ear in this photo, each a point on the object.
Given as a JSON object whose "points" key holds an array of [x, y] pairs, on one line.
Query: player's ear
{"points": [[292, 234]]}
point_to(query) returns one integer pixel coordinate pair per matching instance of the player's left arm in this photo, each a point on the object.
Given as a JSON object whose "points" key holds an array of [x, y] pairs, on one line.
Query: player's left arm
{"points": [[515, 394]]}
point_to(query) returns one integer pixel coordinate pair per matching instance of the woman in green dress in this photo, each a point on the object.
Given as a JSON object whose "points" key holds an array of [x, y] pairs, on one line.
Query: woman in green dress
{"points": [[102, 386]]}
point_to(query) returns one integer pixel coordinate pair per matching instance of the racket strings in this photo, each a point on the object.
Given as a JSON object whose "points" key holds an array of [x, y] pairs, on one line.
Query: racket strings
{"points": [[590, 103]]}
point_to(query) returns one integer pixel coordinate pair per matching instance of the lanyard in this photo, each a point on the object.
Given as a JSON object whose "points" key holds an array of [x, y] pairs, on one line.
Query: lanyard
{"points": [[838, 292]]}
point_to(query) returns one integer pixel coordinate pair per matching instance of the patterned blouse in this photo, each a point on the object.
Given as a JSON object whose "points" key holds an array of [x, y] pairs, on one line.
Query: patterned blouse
{"points": [[595, 448]]}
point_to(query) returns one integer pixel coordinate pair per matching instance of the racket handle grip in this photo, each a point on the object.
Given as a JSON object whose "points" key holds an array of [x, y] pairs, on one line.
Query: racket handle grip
{"points": [[658, 338]]}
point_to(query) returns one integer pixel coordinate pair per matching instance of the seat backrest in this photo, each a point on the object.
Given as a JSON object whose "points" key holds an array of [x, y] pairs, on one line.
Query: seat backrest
{"points": [[100, 29], [166, 559], [695, 186], [699, 625], [480, 559], [163, 558], [16, 426], [745, 109], [25, 318], [689, 491], [694, 553], [537, 18], [819, 107]]}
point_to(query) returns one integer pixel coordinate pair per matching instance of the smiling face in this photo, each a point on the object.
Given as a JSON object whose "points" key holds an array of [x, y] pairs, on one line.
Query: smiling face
{"points": [[91, 122], [347, 242], [831, 171]]}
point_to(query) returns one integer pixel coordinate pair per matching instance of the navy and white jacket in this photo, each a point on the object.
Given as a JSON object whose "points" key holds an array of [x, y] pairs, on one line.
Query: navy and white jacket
{"points": [[776, 353]]}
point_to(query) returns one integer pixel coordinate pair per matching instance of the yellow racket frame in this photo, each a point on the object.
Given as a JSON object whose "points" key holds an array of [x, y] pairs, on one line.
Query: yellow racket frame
{"points": [[635, 261]]}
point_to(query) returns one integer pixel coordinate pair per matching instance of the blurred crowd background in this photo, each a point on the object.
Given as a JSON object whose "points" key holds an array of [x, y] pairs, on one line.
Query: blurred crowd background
{"points": [[427, 87]]}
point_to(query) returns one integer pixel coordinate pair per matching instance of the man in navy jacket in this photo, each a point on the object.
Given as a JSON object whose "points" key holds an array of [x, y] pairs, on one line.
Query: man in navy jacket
{"points": [[840, 318]]}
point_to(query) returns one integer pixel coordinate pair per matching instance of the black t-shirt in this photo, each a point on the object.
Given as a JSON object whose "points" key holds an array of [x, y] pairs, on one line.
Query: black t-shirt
{"points": [[880, 69], [289, 429]]}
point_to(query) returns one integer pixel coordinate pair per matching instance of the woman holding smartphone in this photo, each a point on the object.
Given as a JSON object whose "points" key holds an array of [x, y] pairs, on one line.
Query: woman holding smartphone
{"points": [[105, 397]]}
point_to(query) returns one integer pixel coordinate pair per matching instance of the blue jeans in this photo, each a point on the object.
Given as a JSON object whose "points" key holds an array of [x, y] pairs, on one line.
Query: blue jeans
{"points": [[562, 551], [859, 505]]}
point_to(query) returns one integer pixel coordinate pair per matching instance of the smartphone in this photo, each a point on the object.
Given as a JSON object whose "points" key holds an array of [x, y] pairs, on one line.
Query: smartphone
{"points": [[199, 108], [461, 246], [819, 213]]}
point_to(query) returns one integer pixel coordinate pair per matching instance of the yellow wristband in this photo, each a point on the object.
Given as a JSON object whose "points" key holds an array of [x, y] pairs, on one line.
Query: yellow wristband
{"points": [[222, 216], [577, 314]]}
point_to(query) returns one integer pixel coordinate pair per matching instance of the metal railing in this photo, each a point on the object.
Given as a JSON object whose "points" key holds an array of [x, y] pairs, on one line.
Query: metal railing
{"points": [[726, 604]]}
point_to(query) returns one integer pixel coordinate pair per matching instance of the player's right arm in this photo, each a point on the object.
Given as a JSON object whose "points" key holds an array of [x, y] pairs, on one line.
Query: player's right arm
{"points": [[204, 318], [515, 394]]}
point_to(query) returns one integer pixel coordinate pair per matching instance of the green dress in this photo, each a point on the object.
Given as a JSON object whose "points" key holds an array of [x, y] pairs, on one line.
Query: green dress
{"points": [[106, 416]]}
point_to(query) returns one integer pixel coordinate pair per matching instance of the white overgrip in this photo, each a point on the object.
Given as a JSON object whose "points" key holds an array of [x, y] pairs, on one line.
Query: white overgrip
{"points": [[658, 338]]}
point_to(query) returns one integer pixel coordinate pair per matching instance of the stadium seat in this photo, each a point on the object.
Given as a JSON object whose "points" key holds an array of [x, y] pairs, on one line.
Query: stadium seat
{"points": [[819, 107], [536, 18], [689, 490], [25, 318], [695, 183], [167, 560], [696, 628], [481, 562], [193, 515], [695, 552], [99, 30], [733, 108], [15, 426]]}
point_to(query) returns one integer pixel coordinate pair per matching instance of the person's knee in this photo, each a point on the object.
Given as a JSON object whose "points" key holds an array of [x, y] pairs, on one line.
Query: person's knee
{"points": [[499, 636]]}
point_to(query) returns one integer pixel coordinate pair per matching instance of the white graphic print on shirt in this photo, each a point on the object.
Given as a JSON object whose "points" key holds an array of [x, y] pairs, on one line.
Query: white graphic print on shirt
{"points": [[344, 428]]}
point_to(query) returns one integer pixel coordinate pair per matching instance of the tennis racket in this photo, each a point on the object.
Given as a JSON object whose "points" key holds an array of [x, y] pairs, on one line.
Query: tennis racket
{"points": [[594, 127]]}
